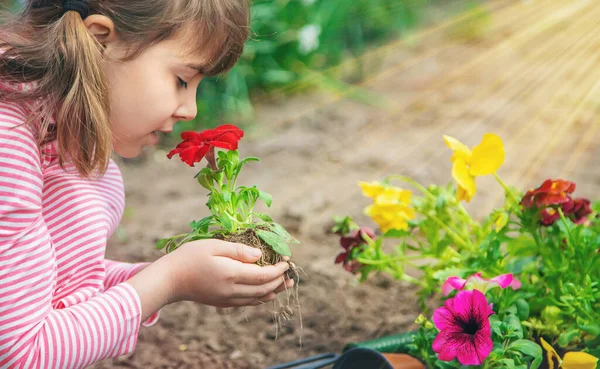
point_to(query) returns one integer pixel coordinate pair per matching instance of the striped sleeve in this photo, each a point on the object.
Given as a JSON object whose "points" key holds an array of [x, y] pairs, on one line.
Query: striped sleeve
{"points": [[32, 333], [119, 272]]}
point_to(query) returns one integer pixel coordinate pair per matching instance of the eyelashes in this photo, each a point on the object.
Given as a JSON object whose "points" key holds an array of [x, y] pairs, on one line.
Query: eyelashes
{"points": [[182, 83]]}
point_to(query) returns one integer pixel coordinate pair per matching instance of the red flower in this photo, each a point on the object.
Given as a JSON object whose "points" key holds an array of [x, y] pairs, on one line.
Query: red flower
{"points": [[196, 146], [349, 243], [551, 192], [578, 210], [548, 216]]}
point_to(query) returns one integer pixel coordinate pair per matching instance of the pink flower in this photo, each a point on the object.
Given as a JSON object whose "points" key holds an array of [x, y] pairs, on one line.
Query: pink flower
{"points": [[464, 325], [482, 284]]}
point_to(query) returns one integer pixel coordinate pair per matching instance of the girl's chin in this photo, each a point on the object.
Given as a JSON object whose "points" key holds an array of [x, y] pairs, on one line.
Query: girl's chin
{"points": [[129, 151]]}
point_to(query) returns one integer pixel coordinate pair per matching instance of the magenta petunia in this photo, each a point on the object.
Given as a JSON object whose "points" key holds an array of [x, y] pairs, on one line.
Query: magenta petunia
{"points": [[464, 325]]}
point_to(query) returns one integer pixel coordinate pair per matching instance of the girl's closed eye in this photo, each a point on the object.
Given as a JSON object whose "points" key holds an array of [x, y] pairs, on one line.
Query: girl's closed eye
{"points": [[182, 83]]}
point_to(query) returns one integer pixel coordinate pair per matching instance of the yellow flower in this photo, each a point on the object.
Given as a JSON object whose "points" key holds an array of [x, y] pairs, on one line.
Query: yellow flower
{"points": [[571, 360], [391, 208], [372, 189], [486, 158]]}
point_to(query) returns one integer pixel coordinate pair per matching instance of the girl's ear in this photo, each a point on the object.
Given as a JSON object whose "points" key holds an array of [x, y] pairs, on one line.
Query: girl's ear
{"points": [[101, 27]]}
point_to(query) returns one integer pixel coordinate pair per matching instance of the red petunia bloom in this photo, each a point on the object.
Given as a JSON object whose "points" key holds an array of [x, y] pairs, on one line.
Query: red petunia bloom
{"points": [[551, 192], [196, 146], [349, 243]]}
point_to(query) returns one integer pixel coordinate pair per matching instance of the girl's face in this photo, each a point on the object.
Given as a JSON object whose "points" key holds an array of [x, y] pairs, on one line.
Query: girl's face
{"points": [[151, 92]]}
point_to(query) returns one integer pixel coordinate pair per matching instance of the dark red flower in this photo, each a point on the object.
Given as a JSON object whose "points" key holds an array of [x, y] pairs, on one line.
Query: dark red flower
{"points": [[551, 192], [548, 216], [196, 146], [349, 243], [578, 210]]}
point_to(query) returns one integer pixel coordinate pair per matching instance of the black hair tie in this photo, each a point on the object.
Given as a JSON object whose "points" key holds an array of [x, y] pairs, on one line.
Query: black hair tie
{"points": [[79, 6]]}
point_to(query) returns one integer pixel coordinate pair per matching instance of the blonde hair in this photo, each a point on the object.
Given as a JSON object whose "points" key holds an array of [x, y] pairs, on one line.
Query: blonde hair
{"points": [[62, 59]]}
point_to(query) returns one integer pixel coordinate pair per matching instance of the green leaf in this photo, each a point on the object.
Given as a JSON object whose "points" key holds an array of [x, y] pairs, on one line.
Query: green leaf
{"points": [[508, 363], [205, 181], [226, 194], [281, 232], [248, 159], [521, 246], [160, 244], [206, 178], [515, 324], [527, 347], [512, 309], [275, 241], [225, 221], [522, 309], [207, 171], [249, 195], [593, 329], [396, 233], [222, 155], [535, 364], [264, 217], [265, 197], [497, 327], [243, 195], [202, 224], [228, 168], [238, 168], [566, 337], [233, 157]]}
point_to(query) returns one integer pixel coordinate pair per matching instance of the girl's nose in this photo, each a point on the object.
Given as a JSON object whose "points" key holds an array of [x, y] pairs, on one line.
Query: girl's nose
{"points": [[189, 109]]}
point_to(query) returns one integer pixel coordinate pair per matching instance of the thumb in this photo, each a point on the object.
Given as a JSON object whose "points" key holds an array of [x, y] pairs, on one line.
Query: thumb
{"points": [[238, 251]]}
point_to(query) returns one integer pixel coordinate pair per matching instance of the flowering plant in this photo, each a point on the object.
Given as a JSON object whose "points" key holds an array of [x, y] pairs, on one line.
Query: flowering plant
{"points": [[519, 288], [231, 206]]}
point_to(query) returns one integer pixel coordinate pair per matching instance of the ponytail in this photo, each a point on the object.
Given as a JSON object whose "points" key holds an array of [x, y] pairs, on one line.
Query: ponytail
{"points": [[83, 127], [64, 62]]}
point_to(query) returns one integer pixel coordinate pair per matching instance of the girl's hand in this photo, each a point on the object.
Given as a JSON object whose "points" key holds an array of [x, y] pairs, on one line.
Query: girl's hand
{"points": [[211, 272], [222, 274]]}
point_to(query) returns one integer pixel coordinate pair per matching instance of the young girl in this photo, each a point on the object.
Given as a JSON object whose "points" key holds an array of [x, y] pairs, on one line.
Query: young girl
{"points": [[79, 81]]}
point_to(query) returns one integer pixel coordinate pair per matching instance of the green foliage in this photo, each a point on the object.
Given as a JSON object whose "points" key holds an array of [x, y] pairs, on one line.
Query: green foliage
{"points": [[293, 44], [557, 264], [232, 208]]}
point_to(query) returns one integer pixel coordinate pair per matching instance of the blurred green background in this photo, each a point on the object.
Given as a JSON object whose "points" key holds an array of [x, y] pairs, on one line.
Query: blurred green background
{"points": [[295, 44]]}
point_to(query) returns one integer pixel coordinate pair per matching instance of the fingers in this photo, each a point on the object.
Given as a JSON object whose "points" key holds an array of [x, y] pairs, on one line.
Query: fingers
{"points": [[237, 251], [289, 283], [242, 290], [253, 301], [252, 274]]}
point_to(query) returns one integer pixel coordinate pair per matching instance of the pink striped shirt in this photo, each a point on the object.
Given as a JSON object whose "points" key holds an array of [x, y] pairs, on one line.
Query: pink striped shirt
{"points": [[62, 304]]}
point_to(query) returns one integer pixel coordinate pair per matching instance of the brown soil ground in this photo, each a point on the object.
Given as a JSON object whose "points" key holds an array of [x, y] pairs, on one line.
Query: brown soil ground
{"points": [[528, 72]]}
